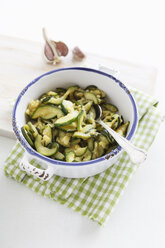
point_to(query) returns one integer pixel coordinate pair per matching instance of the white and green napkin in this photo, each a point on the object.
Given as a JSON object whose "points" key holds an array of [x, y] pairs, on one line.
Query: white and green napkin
{"points": [[95, 196]]}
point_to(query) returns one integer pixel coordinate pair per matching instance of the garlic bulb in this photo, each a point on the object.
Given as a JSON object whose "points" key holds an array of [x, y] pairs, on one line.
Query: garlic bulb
{"points": [[54, 50]]}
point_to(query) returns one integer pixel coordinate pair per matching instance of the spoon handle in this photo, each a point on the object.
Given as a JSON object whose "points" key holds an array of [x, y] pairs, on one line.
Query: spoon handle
{"points": [[136, 154]]}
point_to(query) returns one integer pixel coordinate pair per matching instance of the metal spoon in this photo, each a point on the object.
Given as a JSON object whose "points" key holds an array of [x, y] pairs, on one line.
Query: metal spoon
{"points": [[136, 154]]}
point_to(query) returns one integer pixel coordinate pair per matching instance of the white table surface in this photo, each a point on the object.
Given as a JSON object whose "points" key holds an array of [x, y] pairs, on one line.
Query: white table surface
{"points": [[29, 220], [129, 30]]}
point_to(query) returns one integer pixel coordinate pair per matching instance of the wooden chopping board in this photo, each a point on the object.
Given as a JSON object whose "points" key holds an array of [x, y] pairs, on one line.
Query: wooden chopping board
{"points": [[21, 61]]}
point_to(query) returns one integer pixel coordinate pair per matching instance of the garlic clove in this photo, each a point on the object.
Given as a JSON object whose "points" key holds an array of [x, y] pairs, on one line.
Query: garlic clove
{"points": [[78, 54], [61, 48], [48, 52]]}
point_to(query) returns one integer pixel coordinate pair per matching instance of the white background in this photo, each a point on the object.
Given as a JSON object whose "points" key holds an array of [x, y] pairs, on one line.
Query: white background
{"points": [[128, 30]]}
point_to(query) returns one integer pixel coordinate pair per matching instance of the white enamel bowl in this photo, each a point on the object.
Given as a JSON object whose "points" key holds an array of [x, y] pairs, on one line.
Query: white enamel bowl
{"points": [[118, 95]]}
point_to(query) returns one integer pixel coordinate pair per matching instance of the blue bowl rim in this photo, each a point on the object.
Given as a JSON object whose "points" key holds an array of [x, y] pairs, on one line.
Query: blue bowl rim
{"points": [[33, 152]]}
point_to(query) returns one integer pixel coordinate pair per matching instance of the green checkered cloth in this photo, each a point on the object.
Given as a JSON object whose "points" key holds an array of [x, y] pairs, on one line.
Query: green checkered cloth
{"points": [[95, 196]]}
